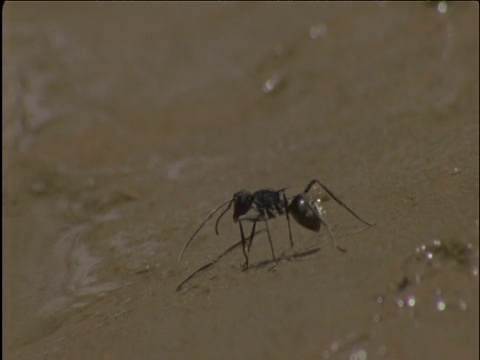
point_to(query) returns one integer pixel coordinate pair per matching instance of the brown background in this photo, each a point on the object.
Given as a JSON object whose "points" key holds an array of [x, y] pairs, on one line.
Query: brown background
{"points": [[124, 124]]}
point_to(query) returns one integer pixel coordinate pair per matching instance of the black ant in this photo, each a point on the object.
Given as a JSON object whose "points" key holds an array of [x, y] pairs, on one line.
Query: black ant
{"points": [[268, 204]]}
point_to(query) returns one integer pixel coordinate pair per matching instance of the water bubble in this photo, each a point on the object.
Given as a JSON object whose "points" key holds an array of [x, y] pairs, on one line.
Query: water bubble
{"points": [[421, 249], [411, 301], [318, 30], [475, 271], [429, 255], [359, 355], [382, 350], [380, 299], [442, 7], [376, 318], [441, 305], [437, 243], [271, 83], [335, 346], [400, 303], [279, 50], [462, 305]]}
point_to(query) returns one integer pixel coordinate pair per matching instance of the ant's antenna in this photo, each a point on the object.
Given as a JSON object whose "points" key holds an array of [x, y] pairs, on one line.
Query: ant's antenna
{"points": [[223, 213], [204, 222]]}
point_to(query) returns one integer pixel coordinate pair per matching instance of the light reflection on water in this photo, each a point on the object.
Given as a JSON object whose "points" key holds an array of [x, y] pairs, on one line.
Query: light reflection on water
{"points": [[75, 276], [430, 266]]}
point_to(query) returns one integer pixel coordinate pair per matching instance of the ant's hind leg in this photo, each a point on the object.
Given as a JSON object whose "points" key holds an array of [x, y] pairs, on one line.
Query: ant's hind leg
{"points": [[333, 238], [270, 239], [289, 229], [319, 215], [244, 243], [252, 235], [288, 220], [340, 202]]}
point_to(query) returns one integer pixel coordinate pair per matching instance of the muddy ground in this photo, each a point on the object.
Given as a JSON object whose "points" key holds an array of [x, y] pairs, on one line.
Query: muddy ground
{"points": [[125, 124]]}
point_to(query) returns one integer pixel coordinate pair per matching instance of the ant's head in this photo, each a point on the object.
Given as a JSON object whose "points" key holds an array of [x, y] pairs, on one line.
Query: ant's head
{"points": [[242, 202]]}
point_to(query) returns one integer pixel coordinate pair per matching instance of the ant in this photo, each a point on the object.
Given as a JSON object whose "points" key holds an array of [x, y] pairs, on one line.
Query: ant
{"points": [[267, 204]]}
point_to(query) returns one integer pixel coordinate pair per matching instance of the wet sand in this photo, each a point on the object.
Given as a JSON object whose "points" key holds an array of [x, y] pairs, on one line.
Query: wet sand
{"points": [[125, 124]]}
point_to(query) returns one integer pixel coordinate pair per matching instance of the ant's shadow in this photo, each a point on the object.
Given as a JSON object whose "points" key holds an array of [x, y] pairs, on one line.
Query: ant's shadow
{"points": [[284, 257], [290, 257]]}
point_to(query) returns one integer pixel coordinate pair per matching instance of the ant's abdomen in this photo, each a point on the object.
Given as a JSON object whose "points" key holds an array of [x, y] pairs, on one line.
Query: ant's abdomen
{"points": [[303, 213]]}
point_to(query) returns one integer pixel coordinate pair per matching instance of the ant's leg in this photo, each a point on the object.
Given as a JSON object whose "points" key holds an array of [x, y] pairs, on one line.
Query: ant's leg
{"points": [[252, 235], [245, 265], [310, 184], [288, 221], [318, 212], [333, 238], [270, 239], [340, 202]]}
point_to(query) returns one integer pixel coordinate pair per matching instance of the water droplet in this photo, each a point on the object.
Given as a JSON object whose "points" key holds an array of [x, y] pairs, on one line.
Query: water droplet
{"points": [[441, 305], [376, 318], [442, 7], [382, 350], [437, 243], [400, 303], [380, 299], [475, 271], [271, 83], [279, 50], [411, 301], [335, 346], [429, 255], [462, 305], [319, 30], [359, 355]]}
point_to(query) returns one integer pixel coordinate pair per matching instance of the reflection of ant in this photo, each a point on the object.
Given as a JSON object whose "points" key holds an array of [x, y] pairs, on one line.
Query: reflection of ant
{"points": [[268, 204]]}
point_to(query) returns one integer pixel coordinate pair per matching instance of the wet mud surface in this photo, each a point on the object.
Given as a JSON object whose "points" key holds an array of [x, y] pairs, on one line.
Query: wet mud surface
{"points": [[125, 124]]}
